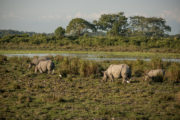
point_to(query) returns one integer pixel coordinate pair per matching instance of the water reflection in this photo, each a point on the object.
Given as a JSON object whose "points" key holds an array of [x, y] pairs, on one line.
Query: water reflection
{"points": [[90, 57]]}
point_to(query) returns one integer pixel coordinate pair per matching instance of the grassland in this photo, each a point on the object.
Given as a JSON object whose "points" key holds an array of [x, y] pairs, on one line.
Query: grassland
{"points": [[81, 94], [99, 54]]}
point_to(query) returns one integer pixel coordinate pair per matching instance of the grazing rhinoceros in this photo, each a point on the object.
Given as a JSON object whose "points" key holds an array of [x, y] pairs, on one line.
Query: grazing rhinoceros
{"points": [[44, 66], [154, 73], [36, 60], [117, 71]]}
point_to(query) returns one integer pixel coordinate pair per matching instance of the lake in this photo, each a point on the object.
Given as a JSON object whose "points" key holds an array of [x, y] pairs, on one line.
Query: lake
{"points": [[95, 57]]}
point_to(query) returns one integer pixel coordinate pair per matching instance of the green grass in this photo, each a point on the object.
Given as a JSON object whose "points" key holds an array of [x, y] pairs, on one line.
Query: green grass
{"points": [[99, 54], [25, 95]]}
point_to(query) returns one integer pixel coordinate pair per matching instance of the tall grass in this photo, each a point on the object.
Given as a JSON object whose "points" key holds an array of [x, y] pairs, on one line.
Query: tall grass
{"points": [[89, 68], [138, 68], [173, 73], [156, 63], [25, 95], [77, 66]]}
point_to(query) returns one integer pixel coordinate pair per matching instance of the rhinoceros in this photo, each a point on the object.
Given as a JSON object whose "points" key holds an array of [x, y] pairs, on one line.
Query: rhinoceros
{"points": [[154, 73], [36, 60], [44, 66], [117, 71]]}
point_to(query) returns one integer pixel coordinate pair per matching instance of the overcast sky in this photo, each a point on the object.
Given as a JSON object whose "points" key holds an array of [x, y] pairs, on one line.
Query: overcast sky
{"points": [[47, 15]]}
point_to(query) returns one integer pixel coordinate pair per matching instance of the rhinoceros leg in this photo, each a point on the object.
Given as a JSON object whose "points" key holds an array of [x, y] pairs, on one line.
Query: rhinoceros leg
{"points": [[50, 71], [111, 77], [125, 79], [36, 68], [40, 70]]}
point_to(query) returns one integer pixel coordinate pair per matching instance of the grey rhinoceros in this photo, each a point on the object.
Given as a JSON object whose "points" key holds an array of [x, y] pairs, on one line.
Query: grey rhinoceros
{"points": [[117, 71], [154, 73], [45, 66], [36, 60]]}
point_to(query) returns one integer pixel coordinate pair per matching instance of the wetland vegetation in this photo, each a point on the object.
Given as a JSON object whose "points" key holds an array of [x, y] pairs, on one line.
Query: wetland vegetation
{"points": [[81, 94]]}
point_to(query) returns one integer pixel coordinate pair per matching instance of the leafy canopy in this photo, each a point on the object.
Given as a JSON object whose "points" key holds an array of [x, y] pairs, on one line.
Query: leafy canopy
{"points": [[59, 32], [149, 25], [79, 26], [114, 24]]}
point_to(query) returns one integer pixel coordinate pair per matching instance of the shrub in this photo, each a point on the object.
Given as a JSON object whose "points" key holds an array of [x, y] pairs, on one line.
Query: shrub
{"points": [[173, 73]]}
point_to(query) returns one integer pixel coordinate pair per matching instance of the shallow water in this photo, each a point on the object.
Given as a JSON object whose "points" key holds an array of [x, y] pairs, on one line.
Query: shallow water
{"points": [[91, 57]]}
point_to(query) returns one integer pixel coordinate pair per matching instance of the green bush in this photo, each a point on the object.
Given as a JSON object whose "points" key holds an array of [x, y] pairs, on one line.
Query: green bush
{"points": [[115, 43]]}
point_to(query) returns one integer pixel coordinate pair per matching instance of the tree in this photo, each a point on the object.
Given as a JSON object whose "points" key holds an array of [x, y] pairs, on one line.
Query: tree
{"points": [[157, 26], [148, 25], [79, 26], [59, 32], [138, 24], [113, 24]]}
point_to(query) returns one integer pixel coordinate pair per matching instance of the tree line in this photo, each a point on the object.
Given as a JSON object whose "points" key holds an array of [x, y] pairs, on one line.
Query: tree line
{"points": [[117, 25], [115, 31], [14, 32]]}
